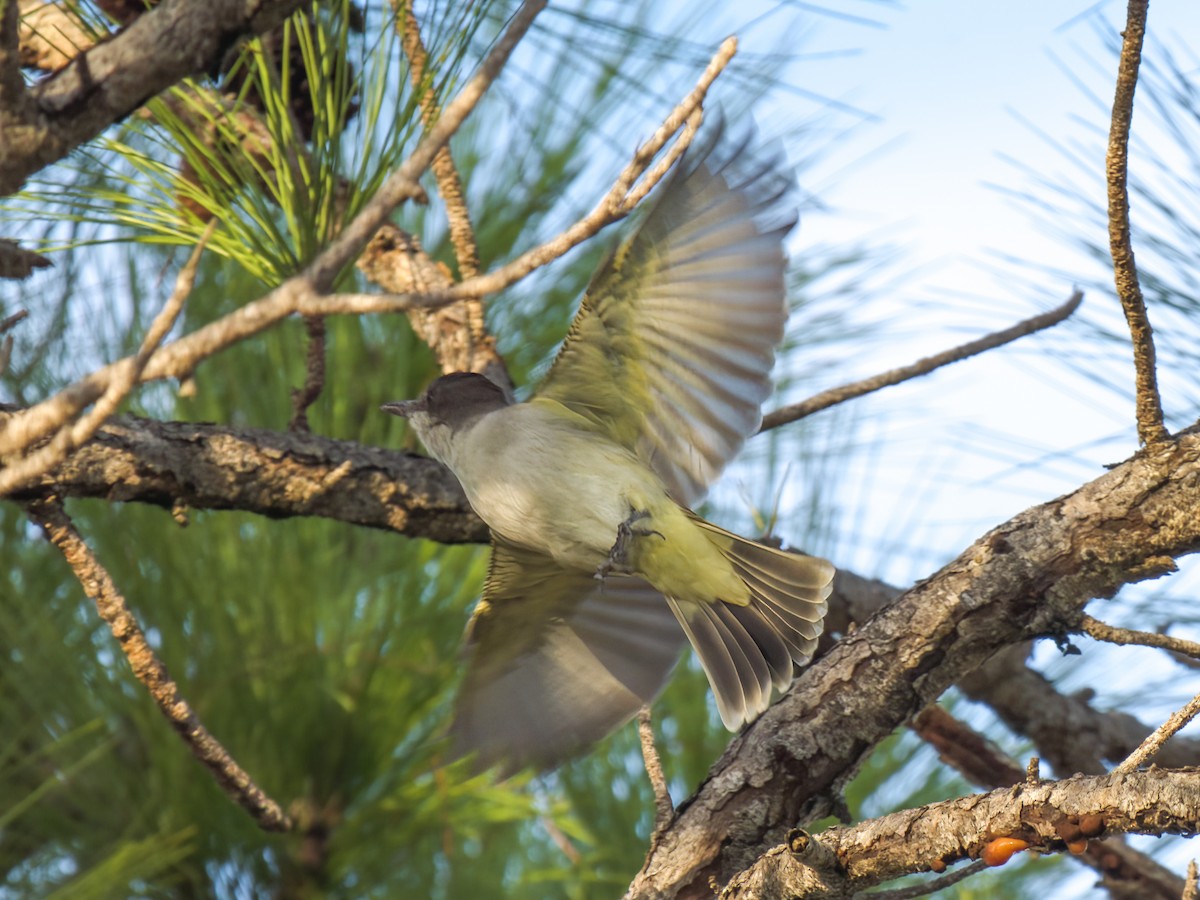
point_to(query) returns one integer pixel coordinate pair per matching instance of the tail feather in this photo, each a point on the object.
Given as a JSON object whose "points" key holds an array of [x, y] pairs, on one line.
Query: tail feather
{"points": [[746, 649]]}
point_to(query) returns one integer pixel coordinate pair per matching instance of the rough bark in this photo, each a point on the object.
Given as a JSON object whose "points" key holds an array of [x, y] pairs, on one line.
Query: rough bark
{"points": [[841, 861], [108, 81], [278, 474], [1030, 576]]}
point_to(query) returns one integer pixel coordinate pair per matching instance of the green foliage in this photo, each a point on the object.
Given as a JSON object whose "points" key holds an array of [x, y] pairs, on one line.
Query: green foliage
{"points": [[324, 656]]}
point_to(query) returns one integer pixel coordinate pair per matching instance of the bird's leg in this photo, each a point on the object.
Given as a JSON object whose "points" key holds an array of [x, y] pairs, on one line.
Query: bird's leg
{"points": [[618, 556]]}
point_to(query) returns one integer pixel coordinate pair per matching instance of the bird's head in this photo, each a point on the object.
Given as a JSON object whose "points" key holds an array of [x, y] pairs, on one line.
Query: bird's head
{"points": [[449, 407]]}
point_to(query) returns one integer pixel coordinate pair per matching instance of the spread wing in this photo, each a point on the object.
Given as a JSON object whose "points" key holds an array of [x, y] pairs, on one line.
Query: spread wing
{"points": [[671, 351], [557, 660]]}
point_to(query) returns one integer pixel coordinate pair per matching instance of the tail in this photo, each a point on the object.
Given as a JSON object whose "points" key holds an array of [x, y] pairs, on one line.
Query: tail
{"points": [[747, 649]]}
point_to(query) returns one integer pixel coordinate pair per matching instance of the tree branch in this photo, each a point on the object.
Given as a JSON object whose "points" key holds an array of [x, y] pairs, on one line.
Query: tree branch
{"points": [[834, 396], [300, 294], [1150, 747], [29, 468], [456, 333], [274, 474], [149, 670], [1149, 403], [1102, 631], [106, 82], [1123, 870], [663, 808], [462, 233], [12, 85], [204, 466], [1027, 577], [1155, 802], [314, 374], [1069, 733]]}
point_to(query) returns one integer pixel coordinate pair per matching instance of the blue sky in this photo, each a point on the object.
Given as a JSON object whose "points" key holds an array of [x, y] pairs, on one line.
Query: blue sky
{"points": [[949, 83], [948, 96]]}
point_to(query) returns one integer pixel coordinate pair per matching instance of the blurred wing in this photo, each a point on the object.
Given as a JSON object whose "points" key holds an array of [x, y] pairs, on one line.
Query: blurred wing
{"points": [[557, 660], [671, 351]]}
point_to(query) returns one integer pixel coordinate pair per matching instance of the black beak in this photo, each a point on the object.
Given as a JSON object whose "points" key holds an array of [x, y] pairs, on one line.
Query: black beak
{"points": [[402, 408]]}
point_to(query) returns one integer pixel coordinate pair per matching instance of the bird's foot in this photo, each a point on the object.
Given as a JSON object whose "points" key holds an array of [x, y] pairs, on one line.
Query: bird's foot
{"points": [[618, 555]]}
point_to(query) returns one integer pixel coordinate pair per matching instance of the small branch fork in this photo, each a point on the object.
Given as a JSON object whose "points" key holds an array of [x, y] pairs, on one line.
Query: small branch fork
{"points": [[26, 470], [1149, 403], [98, 584]]}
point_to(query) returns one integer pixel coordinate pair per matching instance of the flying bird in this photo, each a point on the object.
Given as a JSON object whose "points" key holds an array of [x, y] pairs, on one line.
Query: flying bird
{"points": [[600, 569]]}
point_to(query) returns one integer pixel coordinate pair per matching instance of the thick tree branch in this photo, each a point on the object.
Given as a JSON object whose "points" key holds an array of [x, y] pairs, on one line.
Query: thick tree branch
{"points": [[1149, 403], [275, 474], [1027, 577], [929, 837], [106, 82]]}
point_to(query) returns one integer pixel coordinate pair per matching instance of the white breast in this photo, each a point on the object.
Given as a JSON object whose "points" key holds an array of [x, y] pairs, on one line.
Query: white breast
{"points": [[542, 482]]}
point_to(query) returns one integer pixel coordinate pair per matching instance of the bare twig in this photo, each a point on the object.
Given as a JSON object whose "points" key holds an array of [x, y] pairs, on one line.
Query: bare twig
{"points": [[837, 395], [1149, 403], [11, 321], [314, 374], [663, 808], [301, 294], [1160, 736], [128, 372], [928, 887], [1191, 888], [569, 850], [1102, 631], [620, 199], [639, 191], [98, 585]]}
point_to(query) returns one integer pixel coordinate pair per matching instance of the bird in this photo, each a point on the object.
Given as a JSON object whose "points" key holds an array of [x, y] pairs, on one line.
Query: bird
{"points": [[600, 569]]}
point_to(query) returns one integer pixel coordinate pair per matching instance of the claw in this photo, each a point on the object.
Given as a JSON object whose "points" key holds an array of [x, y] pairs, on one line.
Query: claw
{"points": [[618, 556]]}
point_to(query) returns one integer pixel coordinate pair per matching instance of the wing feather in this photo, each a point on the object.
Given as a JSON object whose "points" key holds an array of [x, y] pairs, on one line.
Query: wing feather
{"points": [[557, 660], [671, 351]]}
